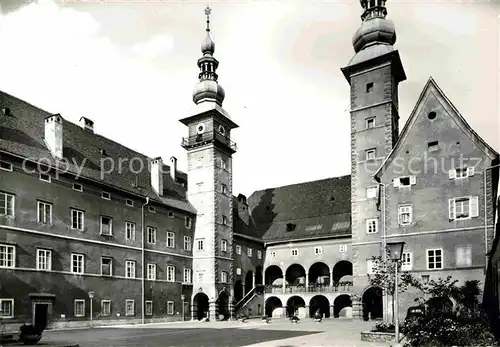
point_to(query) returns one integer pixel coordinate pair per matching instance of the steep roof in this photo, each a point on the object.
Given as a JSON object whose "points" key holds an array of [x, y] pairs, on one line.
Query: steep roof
{"points": [[241, 227], [432, 87], [316, 209], [22, 134]]}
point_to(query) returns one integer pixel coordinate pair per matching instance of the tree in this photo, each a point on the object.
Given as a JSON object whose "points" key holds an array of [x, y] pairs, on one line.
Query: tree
{"points": [[384, 277]]}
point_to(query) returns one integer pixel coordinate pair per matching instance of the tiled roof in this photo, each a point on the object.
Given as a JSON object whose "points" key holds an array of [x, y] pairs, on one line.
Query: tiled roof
{"points": [[240, 227], [318, 208], [22, 134]]}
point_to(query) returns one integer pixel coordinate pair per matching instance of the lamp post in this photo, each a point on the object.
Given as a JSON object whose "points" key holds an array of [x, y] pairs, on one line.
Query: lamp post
{"points": [[183, 297], [91, 296], [395, 253], [425, 280]]}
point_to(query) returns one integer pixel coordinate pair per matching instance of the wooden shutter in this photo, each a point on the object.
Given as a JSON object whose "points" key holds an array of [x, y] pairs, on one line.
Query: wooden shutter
{"points": [[474, 206], [470, 171], [451, 206], [413, 180], [452, 174]]}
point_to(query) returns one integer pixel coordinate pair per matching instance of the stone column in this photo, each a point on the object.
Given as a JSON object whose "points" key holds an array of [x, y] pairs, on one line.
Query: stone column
{"points": [[193, 312], [284, 312], [243, 289], [331, 279], [284, 285], [253, 280], [212, 314], [332, 311], [307, 281], [307, 311], [357, 308]]}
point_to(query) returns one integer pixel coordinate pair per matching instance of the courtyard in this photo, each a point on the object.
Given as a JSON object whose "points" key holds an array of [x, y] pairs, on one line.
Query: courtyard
{"points": [[254, 333]]}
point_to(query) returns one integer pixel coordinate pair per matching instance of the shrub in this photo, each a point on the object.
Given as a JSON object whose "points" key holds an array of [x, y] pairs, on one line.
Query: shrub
{"points": [[384, 327]]}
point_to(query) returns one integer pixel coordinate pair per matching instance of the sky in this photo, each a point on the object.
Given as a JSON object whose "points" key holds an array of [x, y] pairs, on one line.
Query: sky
{"points": [[130, 66]]}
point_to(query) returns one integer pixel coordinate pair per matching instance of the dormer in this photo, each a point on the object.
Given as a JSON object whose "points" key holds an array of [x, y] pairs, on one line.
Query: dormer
{"points": [[54, 135], [157, 175], [87, 124], [290, 227]]}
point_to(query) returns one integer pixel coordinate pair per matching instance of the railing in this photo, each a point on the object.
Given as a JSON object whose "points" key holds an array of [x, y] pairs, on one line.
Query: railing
{"points": [[209, 136], [258, 289], [313, 288]]}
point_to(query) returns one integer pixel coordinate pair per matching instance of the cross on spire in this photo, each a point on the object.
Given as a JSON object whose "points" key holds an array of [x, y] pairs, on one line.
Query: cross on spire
{"points": [[208, 11]]}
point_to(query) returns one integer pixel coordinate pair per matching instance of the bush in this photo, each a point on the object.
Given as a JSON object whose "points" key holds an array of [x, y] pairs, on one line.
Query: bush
{"points": [[383, 327]]}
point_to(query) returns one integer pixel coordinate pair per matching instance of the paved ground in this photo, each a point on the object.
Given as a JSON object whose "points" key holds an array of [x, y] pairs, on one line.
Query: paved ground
{"points": [[254, 333]]}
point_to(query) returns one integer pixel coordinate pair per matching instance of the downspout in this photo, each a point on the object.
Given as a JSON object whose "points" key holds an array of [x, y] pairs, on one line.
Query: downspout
{"points": [[382, 188], [486, 217], [143, 275]]}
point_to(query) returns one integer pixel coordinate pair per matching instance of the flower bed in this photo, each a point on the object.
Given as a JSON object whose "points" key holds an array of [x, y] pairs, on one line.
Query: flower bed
{"points": [[377, 336]]}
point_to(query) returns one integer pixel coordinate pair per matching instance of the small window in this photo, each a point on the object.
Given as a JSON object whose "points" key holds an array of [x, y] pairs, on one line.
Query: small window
{"points": [[371, 192], [170, 214], [463, 208], [238, 271], [78, 187], [130, 269], [238, 249], [406, 261], [249, 252], [187, 275], [105, 307], [43, 260], [5, 166], [431, 115], [405, 181], [223, 276], [151, 272], [7, 256], [371, 154], [223, 189], [170, 239], [259, 254], [130, 231], [295, 252], [79, 308], [148, 308], [44, 212], [434, 259], [223, 164], [77, 263], [170, 308], [200, 244], [129, 202], [223, 245], [290, 227], [187, 222], [6, 308], [273, 255], [106, 226], [170, 273], [318, 250], [433, 146], [187, 243], [369, 87], [342, 248], [370, 122], [405, 215], [151, 235], [129, 307], [7, 202], [222, 130], [462, 172], [45, 177], [106, 196], [106, 266], [372, 226], [151, 209], [77, 220], [224, 220]]}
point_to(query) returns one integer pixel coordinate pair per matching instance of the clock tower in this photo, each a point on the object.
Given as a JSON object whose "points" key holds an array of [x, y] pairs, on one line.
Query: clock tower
{"points": [[209, 153]]}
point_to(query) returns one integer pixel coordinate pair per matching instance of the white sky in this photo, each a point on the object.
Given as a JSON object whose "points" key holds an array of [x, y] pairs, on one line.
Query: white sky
{"points": [[130, 66]]}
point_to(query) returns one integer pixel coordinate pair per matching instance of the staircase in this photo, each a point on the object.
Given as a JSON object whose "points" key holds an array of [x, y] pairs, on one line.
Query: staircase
{"points": [[250, 302]]}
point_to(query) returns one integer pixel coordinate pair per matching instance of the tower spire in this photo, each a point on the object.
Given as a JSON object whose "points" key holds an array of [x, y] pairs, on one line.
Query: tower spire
{"points": [[208, 11]]}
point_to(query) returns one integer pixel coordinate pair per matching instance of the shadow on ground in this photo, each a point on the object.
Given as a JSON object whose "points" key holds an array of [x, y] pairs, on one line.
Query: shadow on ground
{"points": [[167, 337]]}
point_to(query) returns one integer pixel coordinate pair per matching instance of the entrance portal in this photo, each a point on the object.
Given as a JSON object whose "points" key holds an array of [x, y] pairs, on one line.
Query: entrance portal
{"points": [[41, 316], [200, 306], [372, 303], [222, 304]]}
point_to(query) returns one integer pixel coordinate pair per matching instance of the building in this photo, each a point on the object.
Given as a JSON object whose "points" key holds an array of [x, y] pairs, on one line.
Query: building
{"points": [[92, 229]]}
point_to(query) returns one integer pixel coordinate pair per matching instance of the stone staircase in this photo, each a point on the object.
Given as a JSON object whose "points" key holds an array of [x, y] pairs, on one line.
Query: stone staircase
{"points": [[252, 303]]}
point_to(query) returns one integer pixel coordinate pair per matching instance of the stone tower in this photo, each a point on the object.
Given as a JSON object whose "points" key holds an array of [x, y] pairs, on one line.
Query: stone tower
{"points": [[373, 75], [209, 151]]}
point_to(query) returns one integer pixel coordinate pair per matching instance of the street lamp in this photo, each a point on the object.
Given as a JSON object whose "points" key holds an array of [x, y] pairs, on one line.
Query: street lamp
{"points": [[425, 280], [183, 297], [91, 296], [395, 253]]}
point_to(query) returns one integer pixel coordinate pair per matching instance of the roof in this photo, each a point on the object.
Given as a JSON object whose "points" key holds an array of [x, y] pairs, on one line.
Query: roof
{"points": [[239, 225], [316, 209], [432, 87], [22, 134]]}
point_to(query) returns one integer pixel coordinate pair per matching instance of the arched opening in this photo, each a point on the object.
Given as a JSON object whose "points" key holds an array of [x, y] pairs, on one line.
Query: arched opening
{"points": [[342, 306], [293, 304], [295, 274], [200, 306], [238, 290], [222, 305], [319, 303], [248, 281], [372, 303], [258, 275], [319, 274], [341, 269], [271, 304], [272, 274]]}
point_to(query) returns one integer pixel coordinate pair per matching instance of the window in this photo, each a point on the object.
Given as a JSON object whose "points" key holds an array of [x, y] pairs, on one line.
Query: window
{"points": [[223, 277], [406, 261], [7, 256], [200, 244], [342, 248], [370, 266], [77, 263], [369, 87], [6, 204], [45, 177], [187, 221], [431, 115], [434, 259], [370, 122], [295, 252], [464, 256], [130, 269], [78, 187], [238, 271], [129, 202], [105, 307], [405, 181], [170, 239], [463, 172], [151, 272], [259, 254], [151, 235], [249, 252], [372, 225], [171, 273], [106, 226], [130, 231], [200, 275], [5, 166], [170, 308], [238, 249], [371, 192], [273, 254], [223, 245], [129, 307], [77, 219], [149, 308], [170, 214], [79, 308], [187, 243], [432, 146], [44, 212], [318, 250], [290, 227], [106, 266], [151, 209], [6, 308], [405, 215], [43, 260], [370, 154], [187, 275], [223, 189], [106, 196], [223, 164], [463, 208], [224, 220]]}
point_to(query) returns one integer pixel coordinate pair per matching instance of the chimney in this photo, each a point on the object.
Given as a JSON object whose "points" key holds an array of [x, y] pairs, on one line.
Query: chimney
{"points": [[87, 124], [243, 212], [173, 168], [54, 135], [157, 175]]}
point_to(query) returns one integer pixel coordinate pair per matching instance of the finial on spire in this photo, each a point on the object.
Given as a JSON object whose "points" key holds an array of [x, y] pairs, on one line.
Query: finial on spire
{"points": [[208, 11]]}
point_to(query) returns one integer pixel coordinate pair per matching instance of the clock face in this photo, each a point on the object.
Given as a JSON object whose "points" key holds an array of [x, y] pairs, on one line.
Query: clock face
{"points": [[222, 130], [200, 128]]}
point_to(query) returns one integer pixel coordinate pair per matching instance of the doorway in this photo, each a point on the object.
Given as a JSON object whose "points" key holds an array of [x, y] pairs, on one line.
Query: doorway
{"points": [[41, 316]]}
